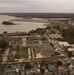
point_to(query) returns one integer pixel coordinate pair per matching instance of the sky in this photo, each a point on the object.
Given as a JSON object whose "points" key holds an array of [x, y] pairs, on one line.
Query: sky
{"points": [[28, 6]]}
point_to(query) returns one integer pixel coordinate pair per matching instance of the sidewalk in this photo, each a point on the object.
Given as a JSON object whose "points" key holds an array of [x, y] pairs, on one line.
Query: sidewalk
{"points": [[40, 42], [29, 53], [5, 56]]}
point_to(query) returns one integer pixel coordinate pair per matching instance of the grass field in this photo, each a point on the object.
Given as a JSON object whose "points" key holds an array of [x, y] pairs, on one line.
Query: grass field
{"points": [[32, 43], [24, 52]]}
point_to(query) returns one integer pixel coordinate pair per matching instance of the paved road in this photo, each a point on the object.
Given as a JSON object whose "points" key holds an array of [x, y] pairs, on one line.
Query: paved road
{"points": [[24, 42], [29, 53], [40, 42], [5, 56]]}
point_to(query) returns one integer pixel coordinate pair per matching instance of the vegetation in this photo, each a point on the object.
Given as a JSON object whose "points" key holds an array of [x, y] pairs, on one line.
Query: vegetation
{"points": [[55, 24], [2, 51], [7, 23], [24, 52], [44, 38], [28, 20], [3, 43], [30, 43], [0, 55], [57, 53], [40, 31], [68, 35], [59, 63], [11, 60]]}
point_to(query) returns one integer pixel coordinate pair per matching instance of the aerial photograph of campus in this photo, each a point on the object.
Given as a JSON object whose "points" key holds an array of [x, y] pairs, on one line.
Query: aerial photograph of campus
{"points": [[36, 37]]}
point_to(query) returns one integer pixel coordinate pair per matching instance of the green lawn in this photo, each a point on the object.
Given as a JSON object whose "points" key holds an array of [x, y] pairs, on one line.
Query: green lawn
{"points": [[24, 52], [36, 42], [29, 42], [32, 43], [20, 42]]}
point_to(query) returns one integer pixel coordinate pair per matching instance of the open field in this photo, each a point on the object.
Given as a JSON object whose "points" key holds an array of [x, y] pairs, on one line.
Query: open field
{"points": [[24, 52]]}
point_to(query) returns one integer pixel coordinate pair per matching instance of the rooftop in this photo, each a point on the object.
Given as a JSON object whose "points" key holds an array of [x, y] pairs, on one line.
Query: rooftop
{"points": [[64, 43], [45, 47], [71, 49]]}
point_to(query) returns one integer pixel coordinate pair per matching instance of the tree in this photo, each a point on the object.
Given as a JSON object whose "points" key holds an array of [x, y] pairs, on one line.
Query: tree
{"points": [[59, 63], [3, 43]]}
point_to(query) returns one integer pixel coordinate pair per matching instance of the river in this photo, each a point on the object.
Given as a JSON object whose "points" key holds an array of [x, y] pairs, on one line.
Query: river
{"points": [[22, 26]]}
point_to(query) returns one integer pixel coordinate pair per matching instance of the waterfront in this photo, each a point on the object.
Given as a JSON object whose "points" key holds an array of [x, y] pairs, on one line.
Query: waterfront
{"points": [[21, 26]]}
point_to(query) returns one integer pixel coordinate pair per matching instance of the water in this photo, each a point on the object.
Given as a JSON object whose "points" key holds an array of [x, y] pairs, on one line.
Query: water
{"points": [[21, 26]]}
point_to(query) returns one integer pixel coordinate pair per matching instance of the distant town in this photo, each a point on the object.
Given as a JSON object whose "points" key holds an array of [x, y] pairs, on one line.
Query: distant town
{"points": [[43, 51]]}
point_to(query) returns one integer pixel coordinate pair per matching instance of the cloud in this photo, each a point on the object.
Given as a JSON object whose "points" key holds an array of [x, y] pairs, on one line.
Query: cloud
{"points": [[4, 5], [37, 5]]}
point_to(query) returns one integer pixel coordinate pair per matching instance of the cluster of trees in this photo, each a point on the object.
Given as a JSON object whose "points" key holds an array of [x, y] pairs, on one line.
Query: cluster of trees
{"points": [[3, 43], [69, 35], [7, 23], [59, 63], [38, 30]]}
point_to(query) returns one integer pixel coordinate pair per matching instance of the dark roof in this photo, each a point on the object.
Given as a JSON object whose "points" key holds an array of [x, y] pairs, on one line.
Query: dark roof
{"points": [[14, 47], [10, 70], [11, 38], [52, 68], [45, 47]]}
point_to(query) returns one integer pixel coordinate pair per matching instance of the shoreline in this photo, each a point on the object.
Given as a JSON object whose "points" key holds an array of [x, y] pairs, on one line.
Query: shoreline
{"points": [[29, 20]]}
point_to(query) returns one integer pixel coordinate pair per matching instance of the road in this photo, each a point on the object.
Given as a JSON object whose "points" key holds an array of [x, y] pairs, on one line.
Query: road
{"points": [[40, 42], [55, 45], [24, 41], [29, 53], [5, 56]]}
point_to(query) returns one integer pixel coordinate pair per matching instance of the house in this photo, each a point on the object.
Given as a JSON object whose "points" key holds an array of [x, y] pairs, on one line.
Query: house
{"points": [[13, 39], [70, 51], [10, 71], [45, 50], [64, 44], [14, 50], [56, 36], [52, 68], [14, 47], [38, 37], [61, 68], [30, 38]]}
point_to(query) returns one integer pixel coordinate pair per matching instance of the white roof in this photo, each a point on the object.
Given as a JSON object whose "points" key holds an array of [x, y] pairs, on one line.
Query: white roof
{"points": [[71, 49], [64, 43], [72, 58]]}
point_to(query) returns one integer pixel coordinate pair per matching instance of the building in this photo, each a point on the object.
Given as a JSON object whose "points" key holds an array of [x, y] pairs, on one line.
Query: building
{"points": [[64, 44], [30, 38], [13, 39], [56, 36], [14, 47], [38, 37], [71, 50], [14, 51], [52, 68], [45, 50]]}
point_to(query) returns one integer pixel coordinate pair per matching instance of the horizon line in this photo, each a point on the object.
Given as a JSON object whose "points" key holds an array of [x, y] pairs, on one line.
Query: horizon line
{"points": [[39, 12]]}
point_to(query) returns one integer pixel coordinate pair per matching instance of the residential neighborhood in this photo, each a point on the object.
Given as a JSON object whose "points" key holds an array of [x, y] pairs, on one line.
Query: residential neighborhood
{"points": [[45, 52]]}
